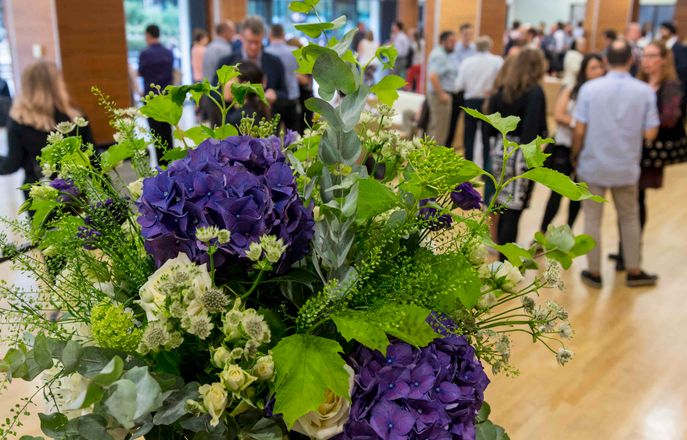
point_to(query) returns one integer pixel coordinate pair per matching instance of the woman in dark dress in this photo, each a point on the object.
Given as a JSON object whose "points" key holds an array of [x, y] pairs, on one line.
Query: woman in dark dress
{"points": [[42, 104], [520, 94]]}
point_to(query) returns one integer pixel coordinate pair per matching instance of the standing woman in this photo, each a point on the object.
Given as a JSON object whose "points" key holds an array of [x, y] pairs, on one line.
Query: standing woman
{"points": [[658, 70], [520, 95], [592, 67], [200, 45], [42, 104]]}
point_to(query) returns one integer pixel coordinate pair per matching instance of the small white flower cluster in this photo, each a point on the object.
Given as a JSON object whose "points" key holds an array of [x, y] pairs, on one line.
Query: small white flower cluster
{"points": [[43, 192], [241, 363], [501, 275], [269, 248], [209, 233], [552, 276], [124, 124], [180, 293]]}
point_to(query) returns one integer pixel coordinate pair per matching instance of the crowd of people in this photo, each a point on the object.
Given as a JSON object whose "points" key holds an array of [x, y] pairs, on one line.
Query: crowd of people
{"points": [[618, 119]]}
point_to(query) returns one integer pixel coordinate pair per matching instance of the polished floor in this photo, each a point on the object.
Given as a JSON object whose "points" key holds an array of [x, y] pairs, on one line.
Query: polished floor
{"points": [[627, 380]]}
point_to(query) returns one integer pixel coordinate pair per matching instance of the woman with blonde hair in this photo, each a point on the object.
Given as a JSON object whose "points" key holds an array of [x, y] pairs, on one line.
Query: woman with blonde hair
{"points": [[520, 94], [42, 103]]}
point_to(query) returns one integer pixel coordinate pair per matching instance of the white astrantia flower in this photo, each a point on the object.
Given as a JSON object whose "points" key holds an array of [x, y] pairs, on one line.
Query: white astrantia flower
{"points": [[563, 356], [254, 252], [330, 417], [80, 121], [55, 136], [207, 234], [274, 247], [65, 127], [135, 188], [223, 236], [215, 399]]}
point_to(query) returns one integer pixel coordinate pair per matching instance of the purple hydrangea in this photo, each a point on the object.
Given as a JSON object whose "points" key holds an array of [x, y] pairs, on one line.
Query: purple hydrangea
{"points": [[430, 211], [430, 393], [241, 184], [68, 191], [466, 197]]}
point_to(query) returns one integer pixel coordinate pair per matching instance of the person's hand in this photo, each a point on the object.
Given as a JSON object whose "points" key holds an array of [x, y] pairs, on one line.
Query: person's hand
{"points": [[444, 97], [270, 96]]}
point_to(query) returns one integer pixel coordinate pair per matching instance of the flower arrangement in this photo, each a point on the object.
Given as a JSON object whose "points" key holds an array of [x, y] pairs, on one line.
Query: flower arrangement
{"points": [[264, 285]]}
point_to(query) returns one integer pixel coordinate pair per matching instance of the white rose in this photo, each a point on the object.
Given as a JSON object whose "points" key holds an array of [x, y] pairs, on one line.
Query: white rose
{"points": [[478, 254], [215, 399], [135, 188], [505, 274], [220, 357], [235, 378], [264, 368], [330, 417]]}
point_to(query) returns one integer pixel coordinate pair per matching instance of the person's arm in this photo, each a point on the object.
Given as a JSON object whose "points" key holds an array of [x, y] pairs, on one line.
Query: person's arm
{"points": [[15, 156], [578, 139], [651, 121], [560, 112], [671, 104], [534, 119], [435, 70], [142, 64]]}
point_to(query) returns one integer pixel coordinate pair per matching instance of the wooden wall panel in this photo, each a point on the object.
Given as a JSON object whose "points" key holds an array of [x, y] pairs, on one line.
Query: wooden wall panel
{"points": [[29, 23], [680, 18], [408, 13], [93, 53], [492, 21], [456, 12], [234, 10], [606, 14]]}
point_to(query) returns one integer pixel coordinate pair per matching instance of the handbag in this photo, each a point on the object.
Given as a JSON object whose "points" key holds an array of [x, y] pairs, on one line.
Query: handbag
{"points": [[663, 152]]}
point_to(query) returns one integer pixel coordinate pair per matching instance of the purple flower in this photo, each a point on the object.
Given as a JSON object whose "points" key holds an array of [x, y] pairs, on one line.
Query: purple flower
{"points": [[241, 184], [432, 393], [430, 211], [466, 197], [391, 422], [68, 191]]}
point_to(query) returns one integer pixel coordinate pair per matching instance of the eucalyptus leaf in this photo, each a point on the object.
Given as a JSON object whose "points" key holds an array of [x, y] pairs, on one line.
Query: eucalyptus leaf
{"points": [[121, 402], [149, 393], [53, 425], [326, 110], [174, 406], [332, 74], [41, 352]]}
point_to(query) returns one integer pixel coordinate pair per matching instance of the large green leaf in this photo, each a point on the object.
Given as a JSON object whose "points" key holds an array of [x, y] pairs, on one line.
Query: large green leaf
{"points": [[301, 7], [89, 427], [561, 184], [114, 155], [326, 110], [53, 425], [162, 108], [306, 366], [534, 152], [332, 74], [174, 406], [70, 356], [387, 56], [121, 402], [503, 125], [199, 133], [514, 253], [227, 73], [240, 91], [314, 30], [354, 324], [149, 394], [387, 89], [488, 431], [41, 352], [406, 322], [374, 198]]}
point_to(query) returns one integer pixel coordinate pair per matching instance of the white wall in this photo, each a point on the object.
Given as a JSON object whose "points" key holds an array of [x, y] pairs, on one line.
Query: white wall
{"points": [[536, 11]]}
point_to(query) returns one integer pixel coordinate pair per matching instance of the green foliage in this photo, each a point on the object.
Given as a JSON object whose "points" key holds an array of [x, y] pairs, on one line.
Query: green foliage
{"points": [[240, 91], [113, 327], [374, 198], [306, 367], [561, 245], [561, 184], [503, 125], [314, 30], [387, 55], [387, 89], [332, 74], [162, 108], [534, 153], [436, 171]]}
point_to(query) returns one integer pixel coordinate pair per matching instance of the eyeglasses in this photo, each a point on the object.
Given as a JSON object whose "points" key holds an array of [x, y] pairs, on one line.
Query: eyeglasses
{"points": [[651, 55]]}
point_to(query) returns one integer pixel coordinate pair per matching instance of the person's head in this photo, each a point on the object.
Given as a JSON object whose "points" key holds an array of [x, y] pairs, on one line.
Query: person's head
{"points": [[467, 33], [295, 42], [483, 43], [152, 34], [396, 26], [531, 34], [226, 30], [250, 73], [592, 67], [580, 24], [369, 36], [657, 60], [560, 26], [277, 32], [610, 35], [619, 55], [252, 33], [525, 72], [200, 36], [516, 24], [447, 39], [43, 91], [667, 30], [361, 26], [633, 32], [580, 45]]}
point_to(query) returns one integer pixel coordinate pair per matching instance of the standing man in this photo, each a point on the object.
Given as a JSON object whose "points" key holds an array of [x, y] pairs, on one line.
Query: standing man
{"points": [[219, 47], [442, 77], [464, 50], [358, 37], [614, 115], [155, 65], [401, 42], [252, 34], [289, 109]]}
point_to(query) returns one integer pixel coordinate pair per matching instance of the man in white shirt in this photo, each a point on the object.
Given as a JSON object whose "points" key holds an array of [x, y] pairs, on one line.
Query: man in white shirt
{"points": [[401, 42], [476, 80]]}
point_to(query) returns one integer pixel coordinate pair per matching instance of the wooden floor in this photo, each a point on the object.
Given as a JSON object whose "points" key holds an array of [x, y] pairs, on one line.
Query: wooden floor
{"points": [[628, 378]]}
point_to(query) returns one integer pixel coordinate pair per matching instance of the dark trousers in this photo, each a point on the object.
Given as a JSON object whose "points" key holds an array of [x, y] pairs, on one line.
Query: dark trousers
{"points": [[457, 101], [470, 132], [290, 113], [560, 161], [163, 131], [508, 227]]}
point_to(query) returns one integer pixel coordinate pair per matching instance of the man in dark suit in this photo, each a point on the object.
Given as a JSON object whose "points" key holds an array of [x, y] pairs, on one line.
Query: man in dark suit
{"points": [[668, 33], [252, 35]]}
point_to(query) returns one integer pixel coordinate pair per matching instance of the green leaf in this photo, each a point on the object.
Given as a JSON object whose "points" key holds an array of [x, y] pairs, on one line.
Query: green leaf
{"points": [[14, 359], [174, 154], [561, 184], [407, 322], [149, 394], [353, 324], [326, 110], [306, 366], [199, 134], [71, 356], [114, 155], [352, 106], [484, 412], [488, 431], [332, 74], [42, 353], [240, 91], [300, 7], [30, 437], [174, 406], [342, 47], [387, 56], [162, 108], [121, 402], [42, 209], [227, 73], [306, 57], [224, 131], [534, 152], [583, 245], [110, 373], [514, 253], [503, 125], [374, 198], [387, 89], [91, 427], [53, 425], [314, 30], [560, 237]]}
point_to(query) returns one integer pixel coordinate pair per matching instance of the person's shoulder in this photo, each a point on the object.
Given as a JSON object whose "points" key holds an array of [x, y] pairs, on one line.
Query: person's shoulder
{"points": [[270, 58], [230, 59]]}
